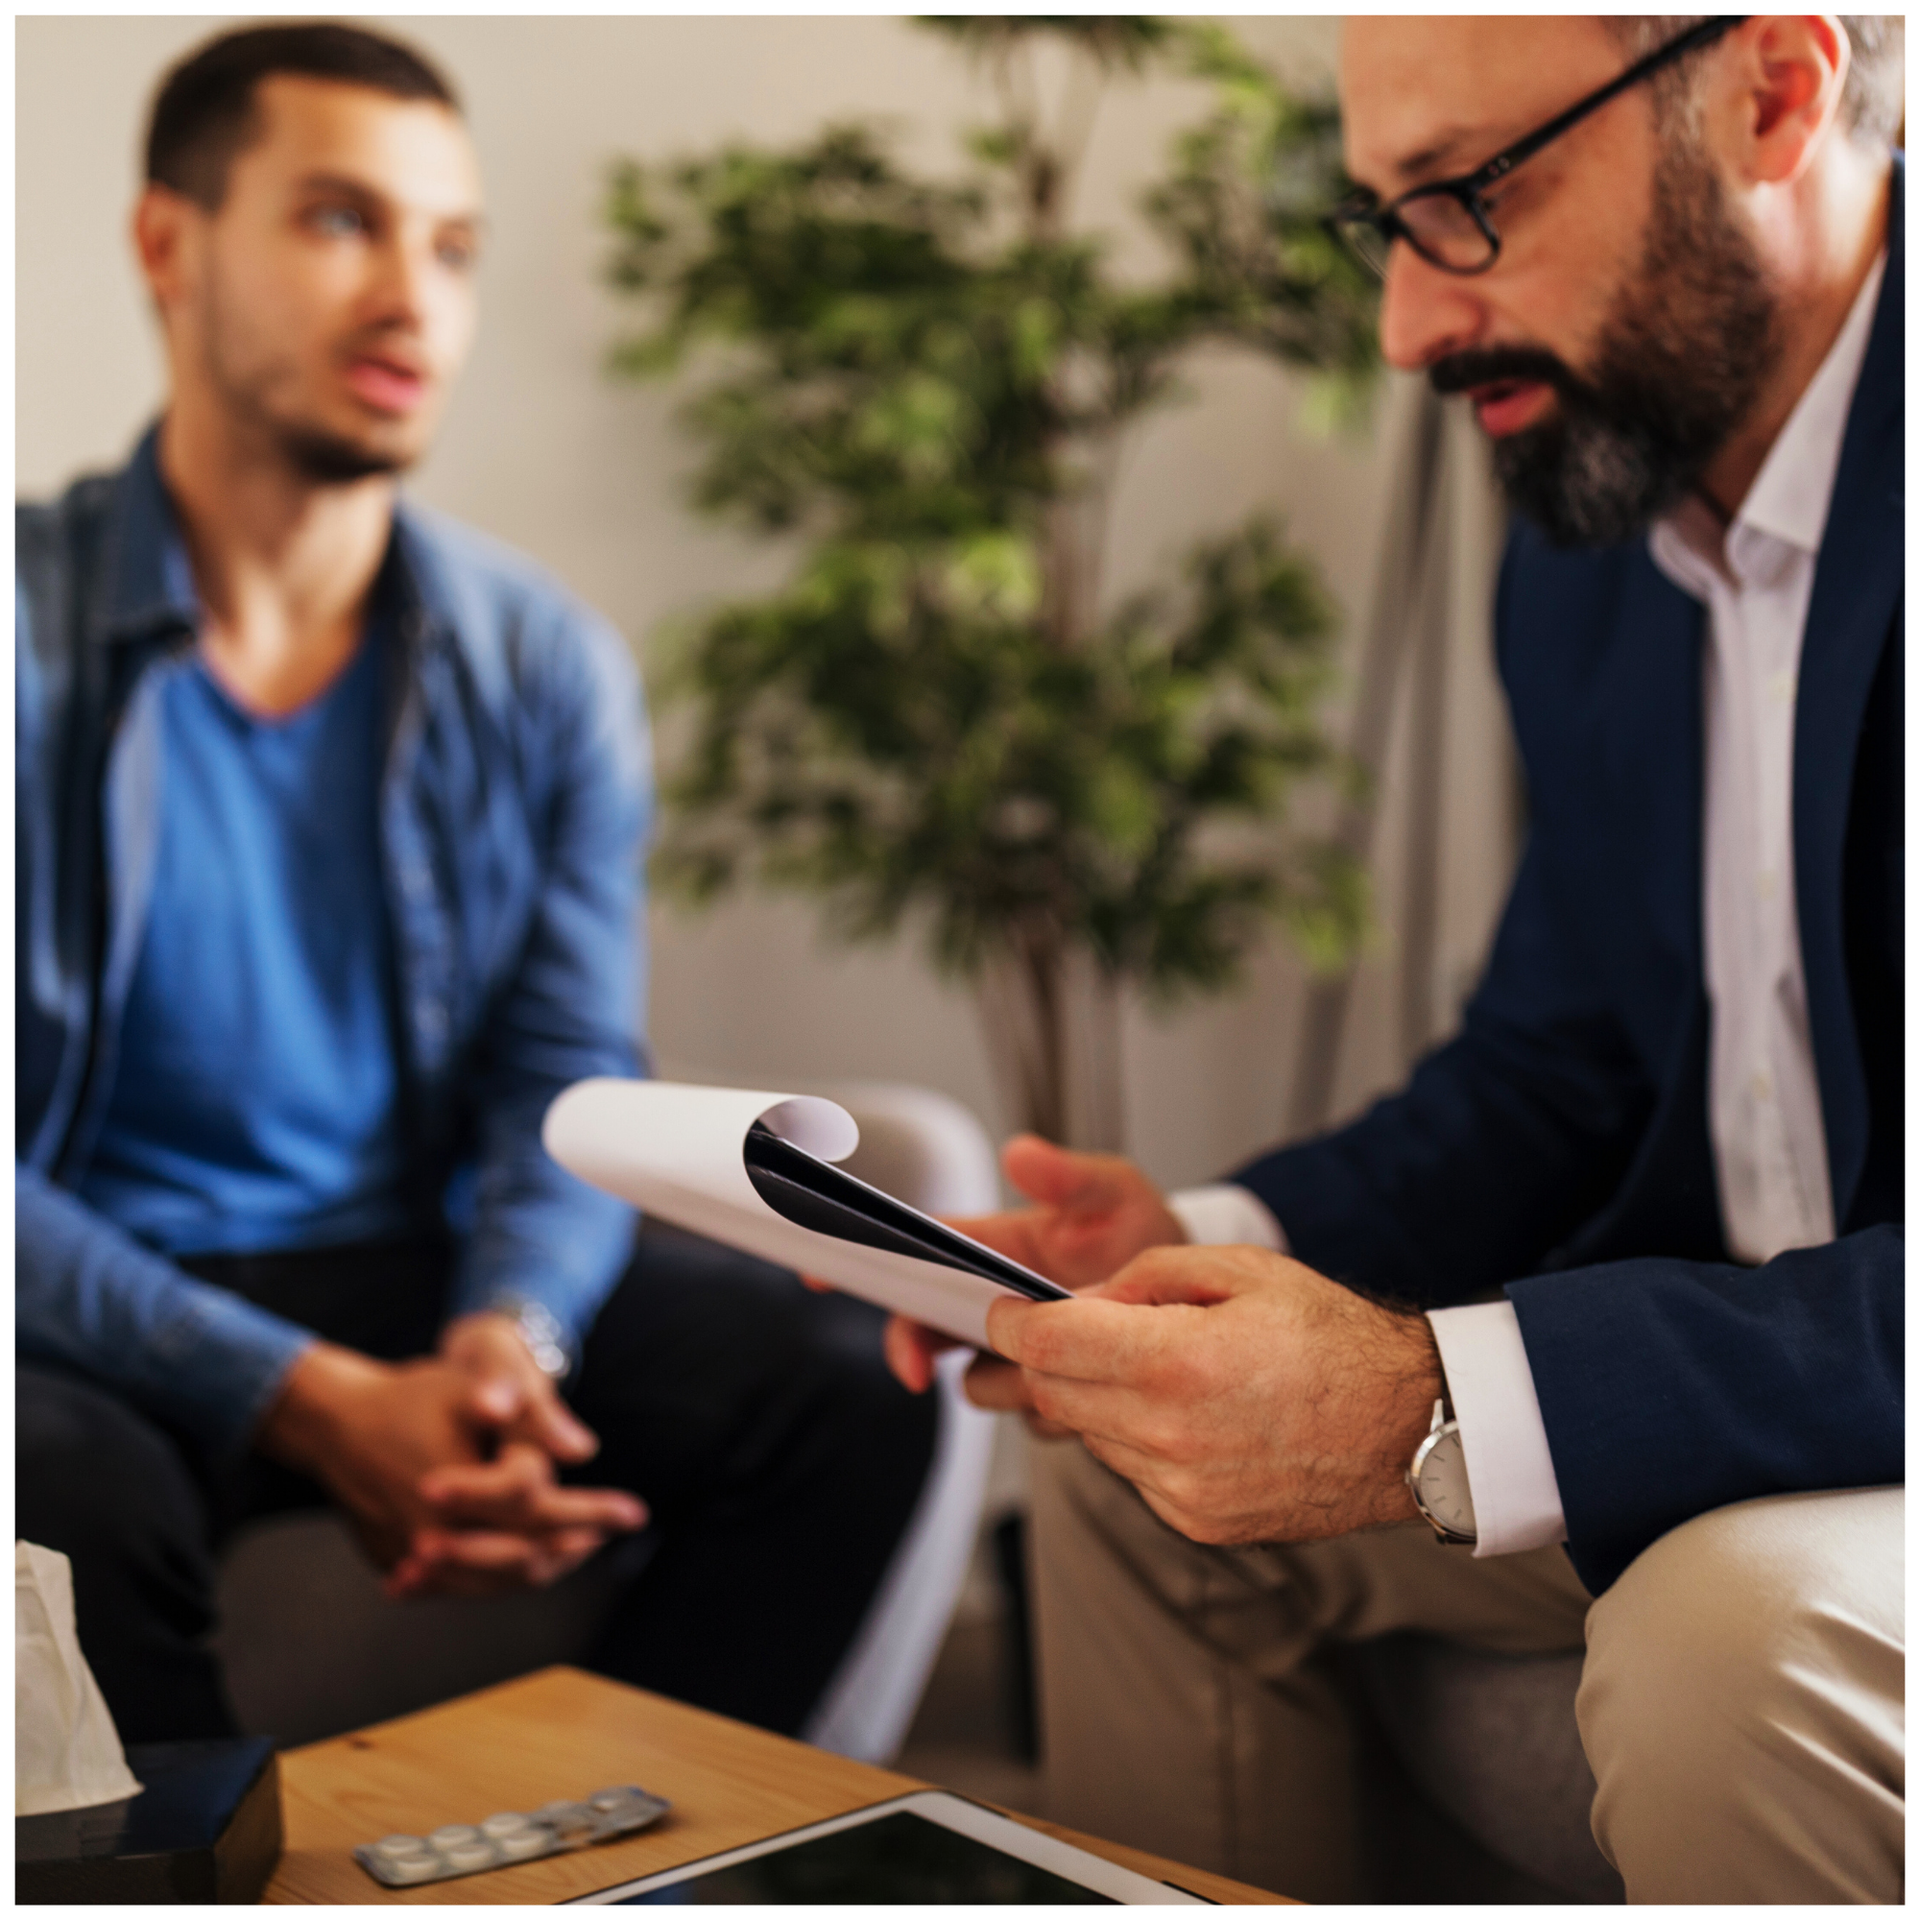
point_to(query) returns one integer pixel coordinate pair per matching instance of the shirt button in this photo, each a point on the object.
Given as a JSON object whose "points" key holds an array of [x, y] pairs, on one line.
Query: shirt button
{"points": [[1780, 686], [1762, 1084], [1766, 883]]}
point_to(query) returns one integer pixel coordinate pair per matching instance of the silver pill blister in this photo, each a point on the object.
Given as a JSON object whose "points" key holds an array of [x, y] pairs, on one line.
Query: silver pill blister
{"points": [[506, 1839]]}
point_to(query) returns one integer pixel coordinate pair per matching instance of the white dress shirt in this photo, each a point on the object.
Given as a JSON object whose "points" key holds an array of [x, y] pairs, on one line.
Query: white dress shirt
{"points": [[1768, 1133]]}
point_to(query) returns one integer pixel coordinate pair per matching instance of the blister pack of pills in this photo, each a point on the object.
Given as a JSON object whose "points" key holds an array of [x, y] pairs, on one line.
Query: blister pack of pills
{"points": [[506, 1839]]}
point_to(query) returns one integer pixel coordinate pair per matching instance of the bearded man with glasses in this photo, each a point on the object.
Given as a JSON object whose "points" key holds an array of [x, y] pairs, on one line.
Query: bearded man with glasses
{"points": [[1611, 1295]]}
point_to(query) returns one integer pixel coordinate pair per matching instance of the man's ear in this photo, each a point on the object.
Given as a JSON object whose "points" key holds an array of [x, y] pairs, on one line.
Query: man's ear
{"points": [[1788, 74], [165, 235]]}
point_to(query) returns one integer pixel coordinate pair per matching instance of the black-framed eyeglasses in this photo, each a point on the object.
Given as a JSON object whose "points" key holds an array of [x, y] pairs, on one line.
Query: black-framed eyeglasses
{"points": [[1447, 223]]}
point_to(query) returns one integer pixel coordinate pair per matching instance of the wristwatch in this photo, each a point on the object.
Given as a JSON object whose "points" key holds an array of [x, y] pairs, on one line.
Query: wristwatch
{"points": [[545, 1337], [1438, 1478]]}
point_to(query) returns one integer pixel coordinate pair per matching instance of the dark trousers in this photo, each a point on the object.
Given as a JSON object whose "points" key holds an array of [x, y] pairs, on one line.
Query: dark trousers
{"points": [[778, 1457]]}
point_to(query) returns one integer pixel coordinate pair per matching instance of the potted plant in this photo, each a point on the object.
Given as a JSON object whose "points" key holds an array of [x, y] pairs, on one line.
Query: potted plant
{"points": [[925, 387]]}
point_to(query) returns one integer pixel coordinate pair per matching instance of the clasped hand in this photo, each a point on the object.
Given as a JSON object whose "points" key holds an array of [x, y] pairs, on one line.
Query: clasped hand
{"points": [[447, 1465], [1247, 1397]]}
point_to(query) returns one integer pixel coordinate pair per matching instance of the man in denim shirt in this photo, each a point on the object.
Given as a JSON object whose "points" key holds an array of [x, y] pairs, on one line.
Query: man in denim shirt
{"points": [[330, 817]]}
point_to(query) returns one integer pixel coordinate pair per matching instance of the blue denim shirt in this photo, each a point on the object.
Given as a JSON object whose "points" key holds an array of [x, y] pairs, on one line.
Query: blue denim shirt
{"points": [[513, 811]]}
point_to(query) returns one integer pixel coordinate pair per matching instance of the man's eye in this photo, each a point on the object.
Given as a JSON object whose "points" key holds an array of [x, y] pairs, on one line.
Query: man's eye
{"points": [[460, 255], [336, 223]]}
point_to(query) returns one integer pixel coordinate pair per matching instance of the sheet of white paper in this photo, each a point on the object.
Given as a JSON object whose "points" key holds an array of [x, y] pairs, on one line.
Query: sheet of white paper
{"points": [[676, 1151]]}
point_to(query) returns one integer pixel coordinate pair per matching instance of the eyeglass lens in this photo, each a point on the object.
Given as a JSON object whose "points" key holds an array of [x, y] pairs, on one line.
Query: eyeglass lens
{"points": [[1444, 230], [1368, 242], [1439, 227]]}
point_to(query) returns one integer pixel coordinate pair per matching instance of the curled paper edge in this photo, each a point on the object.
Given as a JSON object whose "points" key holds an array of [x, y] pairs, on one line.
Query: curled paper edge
{"points": [[676, 1152]]}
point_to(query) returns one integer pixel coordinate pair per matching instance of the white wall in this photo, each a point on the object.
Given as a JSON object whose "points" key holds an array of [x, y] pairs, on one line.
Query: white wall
{"points": [[541, 449]]}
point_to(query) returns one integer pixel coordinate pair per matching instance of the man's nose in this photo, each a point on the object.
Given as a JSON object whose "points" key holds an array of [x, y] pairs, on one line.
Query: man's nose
{"points": [[1424, 312], [405, 264]]}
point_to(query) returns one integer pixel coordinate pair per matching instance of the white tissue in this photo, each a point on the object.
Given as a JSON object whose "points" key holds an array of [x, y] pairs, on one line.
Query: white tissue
{"points": [[66, 1753]]}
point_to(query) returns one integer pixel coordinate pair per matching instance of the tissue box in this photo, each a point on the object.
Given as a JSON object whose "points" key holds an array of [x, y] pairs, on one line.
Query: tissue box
{"points": [[206, 1829]]}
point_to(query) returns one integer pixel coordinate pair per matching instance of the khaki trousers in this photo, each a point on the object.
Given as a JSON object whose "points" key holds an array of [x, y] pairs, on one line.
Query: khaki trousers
{"points": [[1742, 1703]]}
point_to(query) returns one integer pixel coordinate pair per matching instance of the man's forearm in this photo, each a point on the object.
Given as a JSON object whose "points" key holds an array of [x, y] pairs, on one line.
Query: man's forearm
{"points": [[90, 1297], [538, 1234], [1672, 1387], [1516, 1499], [564, 1251], [313, 1406]]}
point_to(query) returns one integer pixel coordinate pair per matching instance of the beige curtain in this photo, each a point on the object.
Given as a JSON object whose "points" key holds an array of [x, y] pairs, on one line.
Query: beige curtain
{"points": [[1440, 826]]}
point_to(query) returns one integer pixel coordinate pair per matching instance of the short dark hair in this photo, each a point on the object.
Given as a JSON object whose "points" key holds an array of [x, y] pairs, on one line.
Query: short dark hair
{"points": [[206, 112], [1872, 104]]}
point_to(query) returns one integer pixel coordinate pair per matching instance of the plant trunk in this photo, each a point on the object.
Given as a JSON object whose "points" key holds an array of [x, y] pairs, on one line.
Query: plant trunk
{"points": [[1051, 1017], [1096, 1076]]}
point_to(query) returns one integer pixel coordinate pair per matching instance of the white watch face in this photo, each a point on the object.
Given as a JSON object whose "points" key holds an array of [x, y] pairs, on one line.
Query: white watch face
{"points": [[1443, 1484]]}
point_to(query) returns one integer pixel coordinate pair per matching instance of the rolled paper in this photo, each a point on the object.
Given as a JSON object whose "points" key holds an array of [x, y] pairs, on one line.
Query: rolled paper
{"points": [[680, 1153]]}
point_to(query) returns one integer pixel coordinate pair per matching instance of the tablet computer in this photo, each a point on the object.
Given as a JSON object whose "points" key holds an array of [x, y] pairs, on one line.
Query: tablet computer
{"points": [[924, 1849]]}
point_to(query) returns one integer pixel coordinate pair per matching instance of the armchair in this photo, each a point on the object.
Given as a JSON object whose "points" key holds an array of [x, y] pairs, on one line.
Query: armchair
{"points": [[311, 1647]]}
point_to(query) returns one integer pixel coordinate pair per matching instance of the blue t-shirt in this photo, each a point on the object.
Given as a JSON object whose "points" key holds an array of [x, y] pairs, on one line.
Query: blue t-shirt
{"points": [[256, 1099]]}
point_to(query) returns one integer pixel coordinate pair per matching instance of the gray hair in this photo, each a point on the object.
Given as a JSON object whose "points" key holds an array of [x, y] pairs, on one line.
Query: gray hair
{"points": [[1873, 106]]}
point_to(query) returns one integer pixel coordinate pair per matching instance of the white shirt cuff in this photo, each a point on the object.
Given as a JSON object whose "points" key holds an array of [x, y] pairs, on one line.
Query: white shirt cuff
{"points": [[1516, 1499], [1227, 1216]]}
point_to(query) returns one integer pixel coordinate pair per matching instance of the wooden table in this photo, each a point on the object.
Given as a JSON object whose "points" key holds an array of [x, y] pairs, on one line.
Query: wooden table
{"points": [[562, 1733]]}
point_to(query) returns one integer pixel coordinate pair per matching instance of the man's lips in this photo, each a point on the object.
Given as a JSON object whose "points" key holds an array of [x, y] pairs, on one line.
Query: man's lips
{"points": [[386, 385], [1508, 406]]}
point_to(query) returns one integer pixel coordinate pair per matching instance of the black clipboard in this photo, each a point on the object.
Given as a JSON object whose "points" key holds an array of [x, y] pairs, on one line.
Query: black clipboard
{"points": [[823, 1198]]}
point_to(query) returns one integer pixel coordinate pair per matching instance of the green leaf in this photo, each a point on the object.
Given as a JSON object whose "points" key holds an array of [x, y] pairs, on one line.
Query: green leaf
{"points": [[918, 383]]}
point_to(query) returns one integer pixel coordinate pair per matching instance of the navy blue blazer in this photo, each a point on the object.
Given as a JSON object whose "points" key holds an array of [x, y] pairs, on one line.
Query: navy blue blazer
{"points": [[1563, 1135]]}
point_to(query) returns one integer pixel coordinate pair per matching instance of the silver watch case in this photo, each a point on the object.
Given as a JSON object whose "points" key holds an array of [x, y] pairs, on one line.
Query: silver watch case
{"points": [[1438, 1481], [544, 1336]]}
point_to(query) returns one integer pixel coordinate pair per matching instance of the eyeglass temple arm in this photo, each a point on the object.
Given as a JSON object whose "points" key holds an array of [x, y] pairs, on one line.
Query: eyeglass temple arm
{"points": [[1708, 30]]}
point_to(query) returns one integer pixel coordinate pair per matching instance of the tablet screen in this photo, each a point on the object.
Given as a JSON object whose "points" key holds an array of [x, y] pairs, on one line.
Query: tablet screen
{"points": [[899, 1858]]}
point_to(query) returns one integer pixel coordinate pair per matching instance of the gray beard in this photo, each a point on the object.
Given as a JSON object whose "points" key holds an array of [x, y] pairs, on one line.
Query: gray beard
{"points": [[1680, 364]]}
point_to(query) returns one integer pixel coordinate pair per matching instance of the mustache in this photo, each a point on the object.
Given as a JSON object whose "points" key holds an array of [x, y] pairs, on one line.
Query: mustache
{"points": [[1487, 366], [396, 344]]}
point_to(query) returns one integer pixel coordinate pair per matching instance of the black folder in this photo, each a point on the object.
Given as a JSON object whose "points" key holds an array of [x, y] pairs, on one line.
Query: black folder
{"points": [[815, 1194]]}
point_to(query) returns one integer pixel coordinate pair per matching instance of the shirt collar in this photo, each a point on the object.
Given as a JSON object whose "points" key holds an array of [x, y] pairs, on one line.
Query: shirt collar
{"points": [[152, 589], [1788, 502], [1790, 497], [151, 584]]}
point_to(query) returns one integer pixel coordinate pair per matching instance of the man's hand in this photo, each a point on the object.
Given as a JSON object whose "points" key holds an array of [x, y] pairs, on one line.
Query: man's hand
{"points": [[445, 1466], [369, 1433], [507, 1521], [1245, 1396], [510, 1390], [1092, 1213]]}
